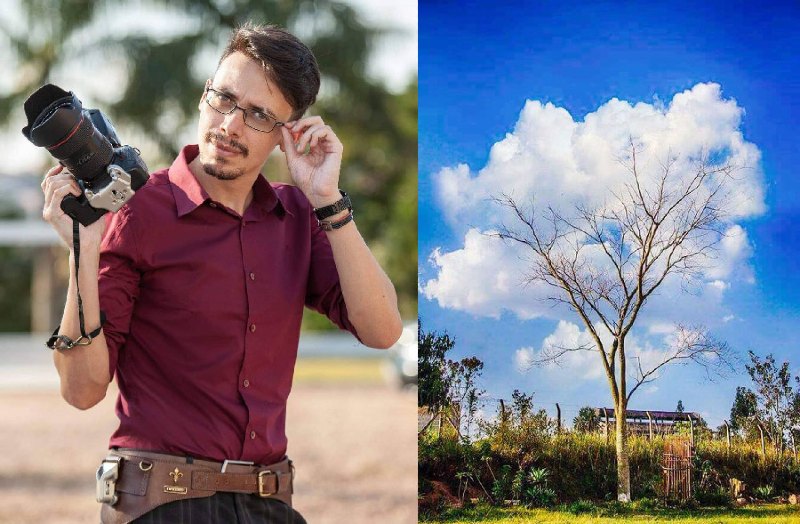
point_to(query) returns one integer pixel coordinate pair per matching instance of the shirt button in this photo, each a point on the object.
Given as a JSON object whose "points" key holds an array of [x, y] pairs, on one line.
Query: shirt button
{"points": [[252, 276], [246, 383], [252, 328], [212, 204], [252, 435]]}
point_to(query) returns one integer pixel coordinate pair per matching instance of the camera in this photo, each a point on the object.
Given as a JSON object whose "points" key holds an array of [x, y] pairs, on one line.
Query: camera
{"points": [[86, 144]]}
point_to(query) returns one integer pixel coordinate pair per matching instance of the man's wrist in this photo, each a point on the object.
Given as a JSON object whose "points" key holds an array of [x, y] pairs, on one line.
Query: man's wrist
{"points": [[319, 201], [90, 256], [336, 207]]}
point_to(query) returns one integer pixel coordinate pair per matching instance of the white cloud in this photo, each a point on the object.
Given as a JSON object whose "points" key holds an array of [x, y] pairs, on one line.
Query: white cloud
{"points": [[485, 278], [524, 359], [561, 162]]}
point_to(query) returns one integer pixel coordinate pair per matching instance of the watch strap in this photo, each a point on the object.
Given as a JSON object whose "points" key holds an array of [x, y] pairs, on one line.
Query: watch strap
{"points": [[337, 207]]}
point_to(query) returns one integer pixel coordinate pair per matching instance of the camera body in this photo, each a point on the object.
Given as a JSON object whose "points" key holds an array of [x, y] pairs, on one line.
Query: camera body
{"points": [[86, 144]]}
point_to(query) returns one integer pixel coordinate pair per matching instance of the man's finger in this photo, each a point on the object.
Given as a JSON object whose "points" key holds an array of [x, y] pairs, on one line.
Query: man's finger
{"points": [[306, 138], [60, 187], [299, 125], [288, 144], [50, 172]]}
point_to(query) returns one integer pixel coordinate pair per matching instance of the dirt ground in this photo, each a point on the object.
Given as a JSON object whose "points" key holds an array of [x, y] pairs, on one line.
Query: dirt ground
{"points": [[354, 447]]}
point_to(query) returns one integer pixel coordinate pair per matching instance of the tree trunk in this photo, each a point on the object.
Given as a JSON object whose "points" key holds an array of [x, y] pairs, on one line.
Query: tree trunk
{"points": [[623, 463]]}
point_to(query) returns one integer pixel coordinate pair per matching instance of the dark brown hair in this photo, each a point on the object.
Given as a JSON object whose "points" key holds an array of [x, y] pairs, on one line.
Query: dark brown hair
{"points": [[287, 62]]}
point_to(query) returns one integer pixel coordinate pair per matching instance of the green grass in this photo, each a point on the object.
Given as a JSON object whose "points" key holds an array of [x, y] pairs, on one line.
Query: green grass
{"points": [[766, 514]]}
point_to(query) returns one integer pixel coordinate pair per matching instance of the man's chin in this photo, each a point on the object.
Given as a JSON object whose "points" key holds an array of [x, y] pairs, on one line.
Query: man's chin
{"points": [[220, 172]]}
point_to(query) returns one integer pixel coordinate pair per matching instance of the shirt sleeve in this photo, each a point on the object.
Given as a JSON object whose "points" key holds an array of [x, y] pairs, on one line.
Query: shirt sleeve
{"points": [[324, 294], [118, 282]]}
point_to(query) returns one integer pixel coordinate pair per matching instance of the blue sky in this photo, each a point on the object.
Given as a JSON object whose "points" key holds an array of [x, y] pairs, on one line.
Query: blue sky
{"points": [[479, 64]]}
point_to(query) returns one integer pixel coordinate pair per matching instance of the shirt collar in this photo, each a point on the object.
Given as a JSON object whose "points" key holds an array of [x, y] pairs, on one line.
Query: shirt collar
{"points": [[189, 194]]}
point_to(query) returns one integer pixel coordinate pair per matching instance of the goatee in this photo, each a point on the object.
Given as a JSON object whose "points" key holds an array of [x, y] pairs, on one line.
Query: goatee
{"points": [[216, 170]]}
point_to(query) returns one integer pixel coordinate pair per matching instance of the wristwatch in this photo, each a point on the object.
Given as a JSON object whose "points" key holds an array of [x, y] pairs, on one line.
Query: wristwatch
{"points": [[340, 205]]}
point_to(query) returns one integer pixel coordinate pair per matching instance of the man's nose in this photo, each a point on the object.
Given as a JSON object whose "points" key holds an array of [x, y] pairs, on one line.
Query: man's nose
{"points": [[233, 122]]}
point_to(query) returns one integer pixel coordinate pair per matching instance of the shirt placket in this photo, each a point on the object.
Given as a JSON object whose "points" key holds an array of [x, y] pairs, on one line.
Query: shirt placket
{"points": [[253, 440]]}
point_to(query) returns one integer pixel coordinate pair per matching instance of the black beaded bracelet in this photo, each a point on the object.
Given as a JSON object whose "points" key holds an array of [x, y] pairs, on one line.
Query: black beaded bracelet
{"points": [[327, 225]]}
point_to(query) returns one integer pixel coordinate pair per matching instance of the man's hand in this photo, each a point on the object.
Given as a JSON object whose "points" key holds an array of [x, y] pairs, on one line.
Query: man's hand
{"points": [[57, 184], [315, 172]]}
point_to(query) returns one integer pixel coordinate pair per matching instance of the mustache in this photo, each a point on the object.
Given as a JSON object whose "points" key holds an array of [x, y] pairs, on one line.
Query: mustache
{"points": [[221, 139]]}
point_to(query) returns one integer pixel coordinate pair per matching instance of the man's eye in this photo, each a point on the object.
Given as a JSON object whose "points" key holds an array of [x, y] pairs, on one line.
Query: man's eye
{"points": [[259, 116], [223, 98]]}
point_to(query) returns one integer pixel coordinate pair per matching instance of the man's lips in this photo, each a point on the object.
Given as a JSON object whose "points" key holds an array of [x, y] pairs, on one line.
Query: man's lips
{"points": [[224, 147]]}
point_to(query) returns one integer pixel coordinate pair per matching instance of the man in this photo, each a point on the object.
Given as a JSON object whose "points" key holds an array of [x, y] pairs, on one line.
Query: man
{"points": [[202, 278]]}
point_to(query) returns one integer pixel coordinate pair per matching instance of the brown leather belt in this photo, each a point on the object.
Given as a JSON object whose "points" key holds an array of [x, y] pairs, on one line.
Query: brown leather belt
{"points": [[132, 483]]}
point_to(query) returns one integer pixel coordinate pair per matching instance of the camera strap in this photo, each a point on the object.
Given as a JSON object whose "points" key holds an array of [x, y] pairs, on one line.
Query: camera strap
{"points": [[57, 341], [76, 246]]}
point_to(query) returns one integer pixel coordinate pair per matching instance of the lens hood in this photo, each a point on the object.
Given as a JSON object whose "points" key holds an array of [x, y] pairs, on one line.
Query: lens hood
{"points": [[52, 115]]}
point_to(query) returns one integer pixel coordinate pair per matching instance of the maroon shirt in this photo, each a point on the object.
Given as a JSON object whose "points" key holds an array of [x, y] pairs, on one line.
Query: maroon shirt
{"points": [[203, 314]]}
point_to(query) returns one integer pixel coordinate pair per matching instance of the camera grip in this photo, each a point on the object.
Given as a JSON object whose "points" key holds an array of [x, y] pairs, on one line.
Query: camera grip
{"points": [[79, 208]]}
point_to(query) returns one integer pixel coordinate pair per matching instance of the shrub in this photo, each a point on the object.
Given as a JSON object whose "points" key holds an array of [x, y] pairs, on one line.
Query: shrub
{"points": [[501, 488], [571, 467], [539, 497], [645, 505], [581, 506], [764, 492], [713, 497]]}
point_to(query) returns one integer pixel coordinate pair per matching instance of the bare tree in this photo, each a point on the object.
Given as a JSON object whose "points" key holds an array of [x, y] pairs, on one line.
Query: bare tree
{"points": [[605, 262]]}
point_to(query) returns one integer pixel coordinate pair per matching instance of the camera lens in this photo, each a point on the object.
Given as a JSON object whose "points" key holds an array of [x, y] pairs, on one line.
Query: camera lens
{"points": [[56, 121]]}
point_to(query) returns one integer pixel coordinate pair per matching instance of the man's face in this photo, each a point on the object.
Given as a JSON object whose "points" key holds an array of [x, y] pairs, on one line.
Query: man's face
{"points": [[228, 147]]}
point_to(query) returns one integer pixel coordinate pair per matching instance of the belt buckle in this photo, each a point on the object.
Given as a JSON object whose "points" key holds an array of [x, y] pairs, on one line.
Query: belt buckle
{"points": [[236, 462], [261, 475]]}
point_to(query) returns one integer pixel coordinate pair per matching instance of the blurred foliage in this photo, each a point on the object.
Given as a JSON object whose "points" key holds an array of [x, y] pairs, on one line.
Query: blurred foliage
{"points": [[165, 77], [16, 267]]}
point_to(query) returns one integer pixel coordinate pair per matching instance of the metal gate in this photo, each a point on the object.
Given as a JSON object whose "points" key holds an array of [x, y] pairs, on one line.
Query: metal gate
{"points": [[677, 468]]}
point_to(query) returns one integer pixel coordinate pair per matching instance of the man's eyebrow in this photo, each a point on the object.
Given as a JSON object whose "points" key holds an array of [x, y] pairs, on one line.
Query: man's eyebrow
{"points": [[249, 106]]}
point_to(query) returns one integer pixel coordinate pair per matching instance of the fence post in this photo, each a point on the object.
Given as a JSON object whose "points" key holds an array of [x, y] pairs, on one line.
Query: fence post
{"points": [[558, 411], [763, 447], [650, 424], [691, 428], [605, 413], [728, 433], [794, 449]]}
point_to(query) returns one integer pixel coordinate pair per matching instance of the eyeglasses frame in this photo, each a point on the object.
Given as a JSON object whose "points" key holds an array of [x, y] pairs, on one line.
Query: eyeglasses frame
{"points": [[235, 107]]}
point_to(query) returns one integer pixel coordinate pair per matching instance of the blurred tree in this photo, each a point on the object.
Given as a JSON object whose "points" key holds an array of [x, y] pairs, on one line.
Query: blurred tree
{"points": [[16, 263], [679, 408], [157, 105]]}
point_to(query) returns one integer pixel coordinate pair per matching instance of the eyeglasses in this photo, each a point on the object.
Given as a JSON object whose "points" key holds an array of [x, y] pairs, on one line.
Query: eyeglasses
{"points": [[253, 118]]}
